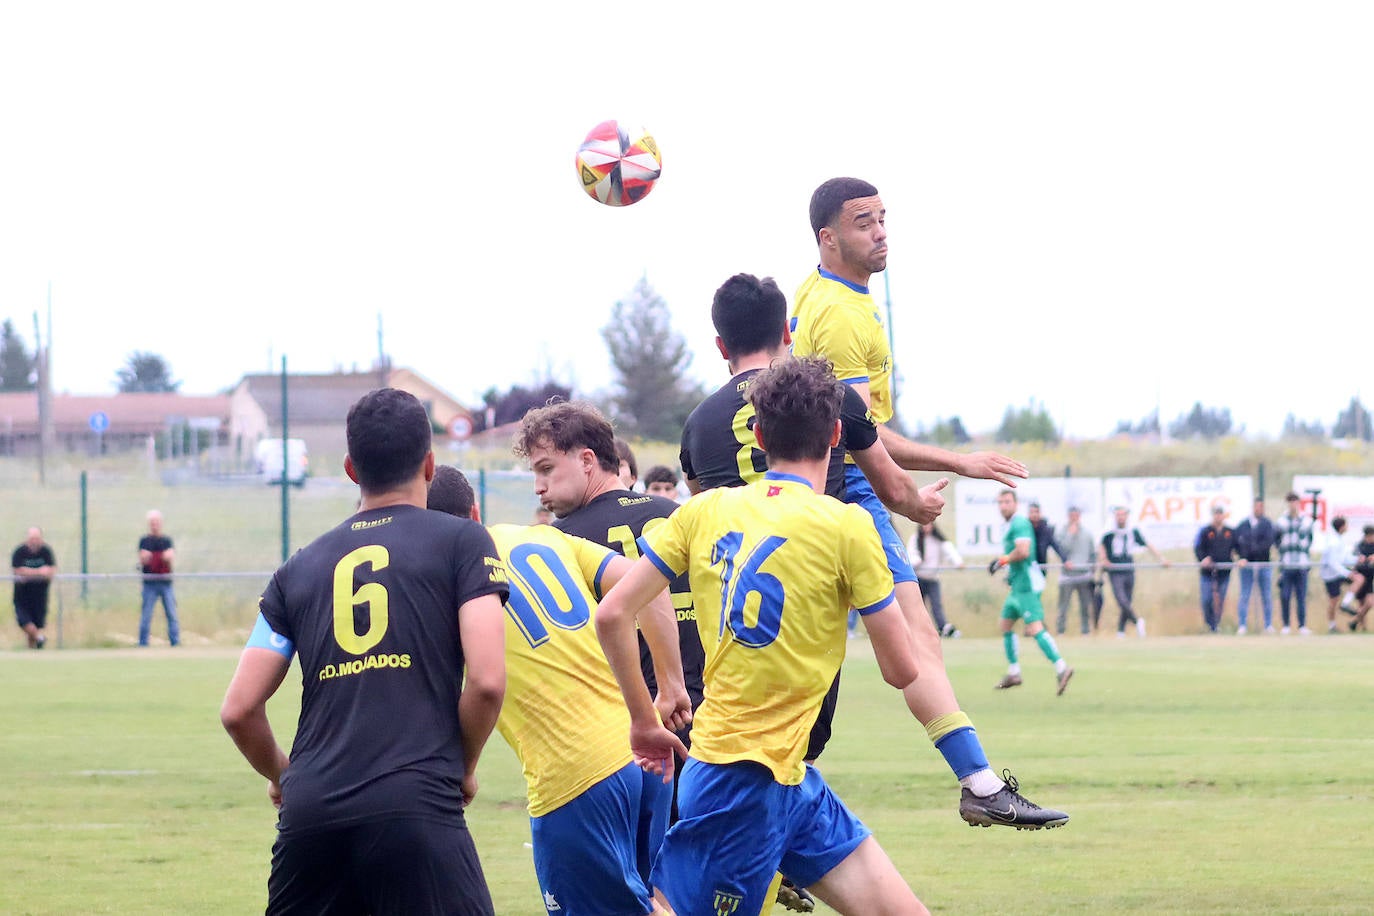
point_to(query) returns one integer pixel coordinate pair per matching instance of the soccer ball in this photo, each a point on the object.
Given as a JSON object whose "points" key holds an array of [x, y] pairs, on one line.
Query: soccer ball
{"points": [[618, 165]]}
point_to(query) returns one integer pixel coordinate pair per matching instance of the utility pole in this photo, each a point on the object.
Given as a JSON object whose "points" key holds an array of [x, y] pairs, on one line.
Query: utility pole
{"points": [[41, 370]]}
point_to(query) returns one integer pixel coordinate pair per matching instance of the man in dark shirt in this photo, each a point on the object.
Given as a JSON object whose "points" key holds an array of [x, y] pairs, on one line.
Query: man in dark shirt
{"points": [[155, 557], [1214, 548], [1255, 537], [33, 564], [1044, 535], [388, 611]]}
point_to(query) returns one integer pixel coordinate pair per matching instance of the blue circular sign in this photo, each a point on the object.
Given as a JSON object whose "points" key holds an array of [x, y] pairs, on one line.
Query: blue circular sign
{"points": [[100, 421]]}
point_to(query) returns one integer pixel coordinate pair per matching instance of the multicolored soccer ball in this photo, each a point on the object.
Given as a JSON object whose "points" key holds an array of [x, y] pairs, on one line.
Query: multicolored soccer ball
{"points": [[618, 165]]}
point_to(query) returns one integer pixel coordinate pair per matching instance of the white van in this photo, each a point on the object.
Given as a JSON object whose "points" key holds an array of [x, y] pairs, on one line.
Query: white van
{"points": [[269, 461]]}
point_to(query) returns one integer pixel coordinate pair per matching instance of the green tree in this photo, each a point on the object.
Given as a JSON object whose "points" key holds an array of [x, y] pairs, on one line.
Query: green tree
{"points": [[652, 394], [1202, 423], [145, 372], [948, 432], [1293, 428], [1353, 423], [18, 367], [1148, 425], [1031, 423]]}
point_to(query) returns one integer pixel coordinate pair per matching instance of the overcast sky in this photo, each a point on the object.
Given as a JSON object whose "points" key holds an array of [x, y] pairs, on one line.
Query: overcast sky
{"points": [[1100, 206]]}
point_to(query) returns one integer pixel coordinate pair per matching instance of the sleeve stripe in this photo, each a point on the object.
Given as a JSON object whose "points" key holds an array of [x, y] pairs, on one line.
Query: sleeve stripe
{"points": [[855, 380], [879, 606], [596, 580], [646, 551]]}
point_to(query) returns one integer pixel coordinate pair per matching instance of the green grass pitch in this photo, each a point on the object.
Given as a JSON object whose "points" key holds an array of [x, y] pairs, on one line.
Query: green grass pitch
{"points": [[1203, 775]]}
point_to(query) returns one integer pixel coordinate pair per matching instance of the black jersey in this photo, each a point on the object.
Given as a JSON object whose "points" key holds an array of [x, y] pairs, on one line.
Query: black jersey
{"points": [[31, 594], [617, 520], [718, 447], [372, 608]]}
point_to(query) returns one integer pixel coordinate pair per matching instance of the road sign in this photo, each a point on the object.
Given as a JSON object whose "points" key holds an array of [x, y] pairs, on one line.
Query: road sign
{"points": [[99, 421], [460, 427]]}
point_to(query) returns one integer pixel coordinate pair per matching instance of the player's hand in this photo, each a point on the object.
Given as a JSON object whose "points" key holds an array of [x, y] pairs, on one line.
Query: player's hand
{"points": [[932, 502], [995, 565], [992, 466], [653, 747], [674, 706], [469, 788], [274, 793]]}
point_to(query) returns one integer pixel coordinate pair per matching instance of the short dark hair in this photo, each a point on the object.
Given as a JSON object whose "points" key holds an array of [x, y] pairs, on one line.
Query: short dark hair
{"points": [[1338, 523], [624, 453], [1292, 497], [566, 426], [389, 434], [797, 402], [749, 314], [1012, 493], [451, 492], [660, 473], [1368, 530], [830, 198]]}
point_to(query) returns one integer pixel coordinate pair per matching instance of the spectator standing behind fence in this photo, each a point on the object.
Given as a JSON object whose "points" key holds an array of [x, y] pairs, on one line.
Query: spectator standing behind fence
{"points": [[33, 564], [1044, 535], [1337, 558], [1294, 532], [155, 558], [930, 551], [1116, 554], [1255, 538], [1216, 545], [1074, 544]]}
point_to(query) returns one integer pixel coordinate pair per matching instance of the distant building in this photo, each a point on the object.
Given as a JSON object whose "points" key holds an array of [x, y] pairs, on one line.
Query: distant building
{"points": [[177, 423], [317, 406]]}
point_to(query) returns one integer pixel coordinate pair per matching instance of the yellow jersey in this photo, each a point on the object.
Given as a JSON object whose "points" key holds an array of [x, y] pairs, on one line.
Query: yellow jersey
{"points": [[837, 319], [563, 716], [774, 568]]}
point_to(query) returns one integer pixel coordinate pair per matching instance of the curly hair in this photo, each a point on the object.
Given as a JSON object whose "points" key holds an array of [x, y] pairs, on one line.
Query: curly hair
{"points": [[797, 402], [566, 426]]}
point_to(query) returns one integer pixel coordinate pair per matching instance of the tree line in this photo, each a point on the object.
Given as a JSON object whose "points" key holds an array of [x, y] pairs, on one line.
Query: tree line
{"points": [[19, 367]]}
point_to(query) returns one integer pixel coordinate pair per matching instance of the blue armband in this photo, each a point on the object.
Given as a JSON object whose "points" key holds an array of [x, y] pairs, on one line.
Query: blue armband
{"points": [[264, 637]]}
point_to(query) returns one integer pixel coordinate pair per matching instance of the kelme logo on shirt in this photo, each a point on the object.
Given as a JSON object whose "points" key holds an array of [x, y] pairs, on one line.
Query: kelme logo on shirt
{"points": [[726, 903]]}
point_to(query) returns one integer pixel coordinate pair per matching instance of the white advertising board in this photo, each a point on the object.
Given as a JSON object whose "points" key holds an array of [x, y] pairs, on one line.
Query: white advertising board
{"points": [[1170, 511], [1352, 497]]}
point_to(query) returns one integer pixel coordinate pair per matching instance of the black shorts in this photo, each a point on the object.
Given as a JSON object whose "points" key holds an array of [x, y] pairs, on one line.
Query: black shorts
{"points": [[1334, 586], [393, 867], [26, 613], [825, 719]]}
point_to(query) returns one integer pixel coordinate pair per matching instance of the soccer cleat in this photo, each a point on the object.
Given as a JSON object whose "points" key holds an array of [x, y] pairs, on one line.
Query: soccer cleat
{"points": [[795, 898], [950, 631], [40, 642], [1063, 681], [1331, 627], [1240, 630], [1014, 680], [1140, 626], [1348, 603], [1006, 807]]}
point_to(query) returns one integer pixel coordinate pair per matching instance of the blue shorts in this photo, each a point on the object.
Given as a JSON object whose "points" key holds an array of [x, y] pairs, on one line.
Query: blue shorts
{"points": [[738, 827], [592, 855], [860, 492]]}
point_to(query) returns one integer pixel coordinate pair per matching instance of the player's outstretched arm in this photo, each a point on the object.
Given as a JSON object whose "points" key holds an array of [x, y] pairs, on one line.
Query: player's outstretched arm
{"points": [[891, 641], [652, 744], [244, 714], [482, 629], [658, 623], [896, 488], [917, 456]]}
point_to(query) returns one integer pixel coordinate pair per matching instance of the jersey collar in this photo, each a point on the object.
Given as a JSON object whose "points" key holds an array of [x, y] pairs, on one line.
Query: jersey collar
{"points": [[779, 475], [827, 275]]}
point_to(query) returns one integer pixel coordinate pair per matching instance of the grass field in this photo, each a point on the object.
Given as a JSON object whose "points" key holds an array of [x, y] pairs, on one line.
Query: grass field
{"points": [[1203, 775]]}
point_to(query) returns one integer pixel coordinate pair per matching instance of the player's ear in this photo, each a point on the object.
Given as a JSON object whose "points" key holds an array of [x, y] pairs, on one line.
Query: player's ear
{"points": [[429, 467], [588, 459], [835, 434], [720, 345], [826, 237], [475, 513], [758, 436], [348, 469]]}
